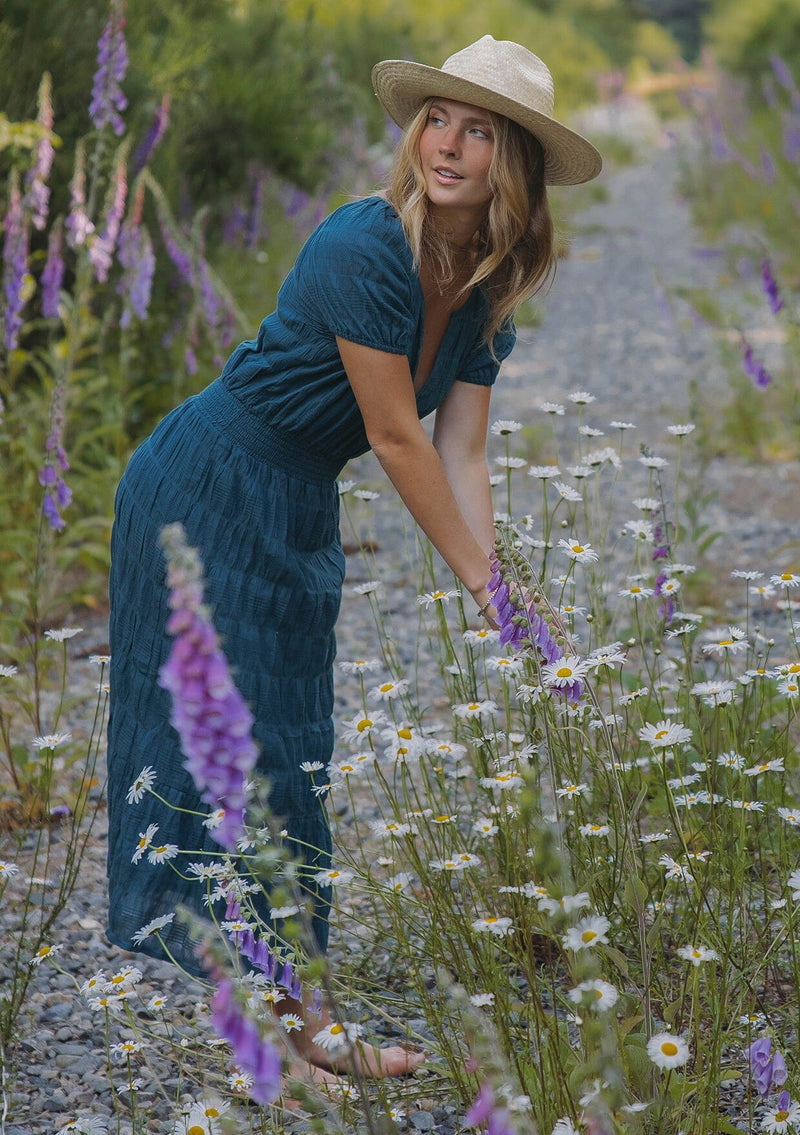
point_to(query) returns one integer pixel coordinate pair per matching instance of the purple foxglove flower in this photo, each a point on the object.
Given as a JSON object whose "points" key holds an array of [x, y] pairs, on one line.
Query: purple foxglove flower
{"points": [[251, 1053], [756, 370], [153, 137], [770, 286], [108, 101], [182, 260], [208, 712], [135, 254], [57, 494], [481, 1108], [101, 249], [791, 138], [767, 1069], [77, 224], [15, 265], [37, 193], [782, 73], [52, 274]]}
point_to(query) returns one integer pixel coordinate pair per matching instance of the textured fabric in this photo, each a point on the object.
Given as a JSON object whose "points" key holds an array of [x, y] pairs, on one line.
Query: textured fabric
{"points": [[248, 467], [353, 278]]}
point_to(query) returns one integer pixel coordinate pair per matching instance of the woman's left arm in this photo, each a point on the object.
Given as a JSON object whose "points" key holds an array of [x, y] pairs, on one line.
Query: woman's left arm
{"points": [[459, 435]]}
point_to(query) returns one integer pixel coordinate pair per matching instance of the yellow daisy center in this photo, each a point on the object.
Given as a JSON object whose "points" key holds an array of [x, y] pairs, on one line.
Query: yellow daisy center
{"points": [[578, 548], [588, 935], [195, 1129], [669, 1048], [386, 687], [661, 733], [364, 723], [635, 590], [406, 734], [563, 672], [781, 1116], [336, 1029]]}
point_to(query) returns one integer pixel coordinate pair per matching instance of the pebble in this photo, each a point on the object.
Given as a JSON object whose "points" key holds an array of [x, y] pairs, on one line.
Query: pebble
{"points": [[602, 330]]}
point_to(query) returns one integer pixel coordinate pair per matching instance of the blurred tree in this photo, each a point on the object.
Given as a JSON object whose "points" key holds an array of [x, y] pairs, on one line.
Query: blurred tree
{"points": [[746, 36], [683, 18]]}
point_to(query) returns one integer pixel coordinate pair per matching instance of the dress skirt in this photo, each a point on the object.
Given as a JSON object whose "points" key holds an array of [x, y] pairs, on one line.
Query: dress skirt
{"points": [[264, 516]]}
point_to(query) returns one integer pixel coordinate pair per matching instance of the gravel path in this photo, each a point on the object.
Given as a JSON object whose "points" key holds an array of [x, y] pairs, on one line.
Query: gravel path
{"points": [[604, 329]]}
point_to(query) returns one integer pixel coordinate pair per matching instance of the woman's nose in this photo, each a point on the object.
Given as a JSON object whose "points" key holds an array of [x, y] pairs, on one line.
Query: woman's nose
{"points": [[448, 144]]}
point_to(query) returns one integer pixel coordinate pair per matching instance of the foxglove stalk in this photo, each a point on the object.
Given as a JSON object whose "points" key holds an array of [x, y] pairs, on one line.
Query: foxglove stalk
{"points": [[487, 1114], [154, 135], [770, 286], [57, 493], [135, 254], [15, 264], [252, 1054], [101, 249], [52, 274], [208, 712], [108, 101], [521, 624], [756, 370], [37, 192], [78, 225]]}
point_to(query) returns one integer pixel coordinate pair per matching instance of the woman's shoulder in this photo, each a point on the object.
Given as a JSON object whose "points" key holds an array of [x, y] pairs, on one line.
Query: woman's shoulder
{"points": [[368, 221]]}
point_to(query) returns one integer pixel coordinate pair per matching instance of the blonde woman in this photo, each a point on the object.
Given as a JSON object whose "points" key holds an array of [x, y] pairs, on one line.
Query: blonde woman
{"points": [[399, 305]]}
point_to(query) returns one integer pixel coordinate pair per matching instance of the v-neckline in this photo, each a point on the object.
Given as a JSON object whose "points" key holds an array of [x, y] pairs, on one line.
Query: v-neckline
{"points": [[452, 319]]}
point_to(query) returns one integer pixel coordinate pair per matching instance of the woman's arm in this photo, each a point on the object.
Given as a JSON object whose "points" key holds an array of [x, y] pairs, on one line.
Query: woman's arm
{"points": [[384, 391], [459, 435]]}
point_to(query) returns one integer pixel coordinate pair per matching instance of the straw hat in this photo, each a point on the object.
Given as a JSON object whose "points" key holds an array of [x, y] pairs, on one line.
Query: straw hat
{"points": [[496, 75]]}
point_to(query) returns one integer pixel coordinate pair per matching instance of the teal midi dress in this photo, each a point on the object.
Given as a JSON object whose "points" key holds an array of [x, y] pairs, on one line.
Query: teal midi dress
{"points": [[249, 467]]}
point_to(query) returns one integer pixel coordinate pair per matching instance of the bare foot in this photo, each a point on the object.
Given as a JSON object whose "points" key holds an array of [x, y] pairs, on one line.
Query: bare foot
{"points": [[301, 1072], [366, 1059], [376, 1063]]}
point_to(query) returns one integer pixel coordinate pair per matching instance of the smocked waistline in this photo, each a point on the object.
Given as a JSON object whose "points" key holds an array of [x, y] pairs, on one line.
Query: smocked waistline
{"points": [[218, 405]]}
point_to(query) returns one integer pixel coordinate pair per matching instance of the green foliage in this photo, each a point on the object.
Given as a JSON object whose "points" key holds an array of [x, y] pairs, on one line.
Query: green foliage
{"points": [[745, 36]]}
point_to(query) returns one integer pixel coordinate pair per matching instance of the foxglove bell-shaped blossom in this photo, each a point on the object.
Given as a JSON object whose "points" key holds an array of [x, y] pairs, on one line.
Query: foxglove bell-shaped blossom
{"points": [[208, 712], [108, 101], [252, 1054]]}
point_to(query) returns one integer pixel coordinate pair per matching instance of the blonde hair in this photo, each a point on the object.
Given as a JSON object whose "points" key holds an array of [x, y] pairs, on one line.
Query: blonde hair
{"points": [[513, 254]]}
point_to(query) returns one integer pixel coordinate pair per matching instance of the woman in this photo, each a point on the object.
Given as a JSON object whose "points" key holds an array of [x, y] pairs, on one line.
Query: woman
{"points": [[398, 305]]}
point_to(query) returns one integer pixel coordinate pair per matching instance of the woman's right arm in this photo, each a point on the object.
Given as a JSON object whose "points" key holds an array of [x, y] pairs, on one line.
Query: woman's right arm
{"points": [[384, 390]]}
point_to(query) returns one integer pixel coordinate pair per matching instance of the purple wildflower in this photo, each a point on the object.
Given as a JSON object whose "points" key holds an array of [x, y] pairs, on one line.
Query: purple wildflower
{"points": [[37, 193], [108, 101], [756, 370], [78, 225], [484, 1111], [15, 264], [767, 1069], [791, 138], [135, 253], [258, 1057], [208, 712], [52, 274], [782, 73], [180, 258], [101, 249], [278, 970], [770, 286], [154, 135]]}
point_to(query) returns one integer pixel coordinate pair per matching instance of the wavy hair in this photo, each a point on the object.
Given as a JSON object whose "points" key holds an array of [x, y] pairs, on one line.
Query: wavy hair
{"points": [[513, 254]]}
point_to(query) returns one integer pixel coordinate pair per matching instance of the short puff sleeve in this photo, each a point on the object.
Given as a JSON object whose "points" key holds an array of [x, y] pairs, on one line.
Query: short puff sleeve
{"points": [[354, 278], [481, 366]]}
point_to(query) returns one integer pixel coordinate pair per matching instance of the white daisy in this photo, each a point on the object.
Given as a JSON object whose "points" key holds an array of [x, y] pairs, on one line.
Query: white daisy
{"points": [[667, 1051]]}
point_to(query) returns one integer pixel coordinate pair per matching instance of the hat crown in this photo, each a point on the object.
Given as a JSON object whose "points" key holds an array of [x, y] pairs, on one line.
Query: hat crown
{"points": [[507, 68]]}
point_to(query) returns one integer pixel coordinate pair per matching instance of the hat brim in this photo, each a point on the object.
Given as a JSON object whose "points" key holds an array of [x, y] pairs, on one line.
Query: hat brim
{"points": [[402, 87]]}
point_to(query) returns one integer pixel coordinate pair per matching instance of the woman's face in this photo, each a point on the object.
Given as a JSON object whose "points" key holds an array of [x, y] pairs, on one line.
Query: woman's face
{"points": [[455, 149]]}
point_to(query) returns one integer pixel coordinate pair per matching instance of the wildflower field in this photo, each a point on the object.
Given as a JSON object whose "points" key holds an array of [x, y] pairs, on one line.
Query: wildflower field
{"points": [[566, 850]]}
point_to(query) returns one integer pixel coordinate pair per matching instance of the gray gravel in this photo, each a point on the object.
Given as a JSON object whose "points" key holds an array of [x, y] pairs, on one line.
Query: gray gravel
{"points": [[603, 329]]}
